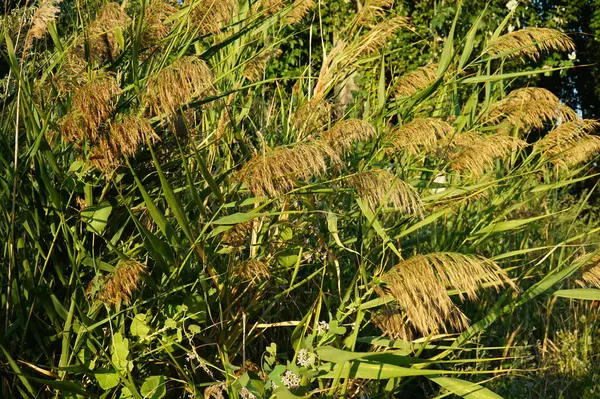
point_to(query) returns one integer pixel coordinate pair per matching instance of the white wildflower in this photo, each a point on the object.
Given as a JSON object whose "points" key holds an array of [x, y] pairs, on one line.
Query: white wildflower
{"points": [[246, 394], [290, 380], [323, 327], [190, 356], [304, 358], [572, 56], [512, 4], [511, 28]]}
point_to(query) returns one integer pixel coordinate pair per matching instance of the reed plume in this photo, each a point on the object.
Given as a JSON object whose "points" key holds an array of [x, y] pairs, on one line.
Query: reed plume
{"points": [[157, 24], [414, 81], [571, 143], [530, 108], [312, 116], [590, 275], [378, 36], [275, 172], [332, 63], [255, 68], [101, 33], [44, 15], [392, 323], [92, 104], [343, 134], [530, 43], [372, 10], [420, 134], [378, 187], [120, 285], [238, 234], [187, 78], [299, 10], [480, 156], [268, 7], [419, 285], [252, 270], [210, 15]]}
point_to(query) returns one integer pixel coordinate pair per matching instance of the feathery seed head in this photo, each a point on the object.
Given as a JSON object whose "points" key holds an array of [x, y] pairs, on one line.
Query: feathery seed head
{"points": [[44, 15], [378, 187], [412, 82], [373, 9], [101, 33], [419, 285], [268, 7], [255, 68], [176, 85], [530, 43], [238, 234], [590, 275], [480, 156], [392, 323], [343, 134], [275, 172], [380, 35], [252, 270], [299, 10], [210, 15], [312, 116], [121, 283], [422, 133], [156, 22], [571, 143]]}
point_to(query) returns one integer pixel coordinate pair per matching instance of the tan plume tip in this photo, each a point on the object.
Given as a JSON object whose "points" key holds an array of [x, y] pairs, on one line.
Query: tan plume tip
{"points": [[252, 270], [380, 35], [275, 172], [268, 7], [412, 82], [299, 10], [420, 283], [44, 15], [123, 140], [333, 62], [590, 274], [312, 116], [92, 104], [420, 134], [571, 143], [255, 68], [530, 108], [187, 78], [378, 187], [531, 43], [343, 134], [121, 283], [157, 24], [373, 9], [392, 323], [238, 234], [479, 157], [101, 33], [210, 15]]}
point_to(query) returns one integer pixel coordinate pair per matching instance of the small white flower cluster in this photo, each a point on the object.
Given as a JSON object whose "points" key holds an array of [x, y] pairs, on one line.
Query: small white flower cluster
{"points": [[190, 356], [512, 4], [290, 380], [304, 358], [323, 327], [246, 394]]}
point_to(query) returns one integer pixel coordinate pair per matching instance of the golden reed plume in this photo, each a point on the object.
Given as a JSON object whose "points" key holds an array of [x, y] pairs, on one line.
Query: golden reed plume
{"points": [[419, 285], [590, 274], [122, 140], [45, 14], [275, 172], [299, 10], [393, 323], [268, 7], [101, 33], [479, 157], [530, 108], [420, 134], [372, 10], [256, 67], [412, 82], [379, 36], [210, 15], [92, 104], [312, 116], [343, 134], [378, 187], [187, 78], [121, 283], [530, 43], [571, 143], [252, 270], [157, 24]]}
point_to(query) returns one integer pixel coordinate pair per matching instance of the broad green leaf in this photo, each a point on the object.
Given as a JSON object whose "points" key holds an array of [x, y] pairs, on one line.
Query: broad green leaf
{"points": [[465, 389], [507, 76], [120, 352], [509, 225], [590, 294], [139, 328], [107, 379], [96, 217], [154, 387], [239, 217]]}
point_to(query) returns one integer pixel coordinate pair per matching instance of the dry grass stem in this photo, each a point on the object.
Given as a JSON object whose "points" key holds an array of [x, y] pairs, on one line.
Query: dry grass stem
{"points": [[275, 172], [343, 134], [530, 43], [419, 285], [479, 158], [420, 134], [187, 78], [412, 82], [378, 187]]}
